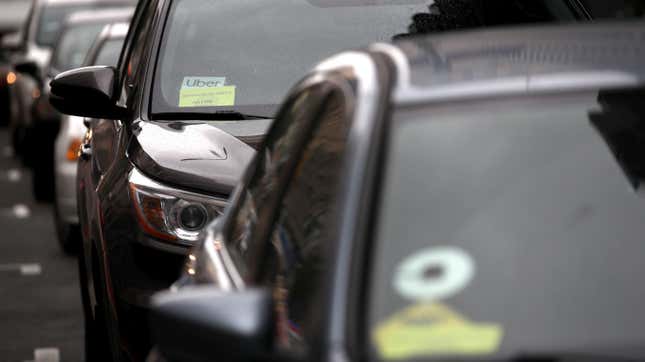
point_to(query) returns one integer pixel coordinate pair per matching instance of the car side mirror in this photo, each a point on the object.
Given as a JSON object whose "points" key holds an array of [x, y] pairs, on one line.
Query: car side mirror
{"points": [[86, 92], [206, 323], [30, 68]]}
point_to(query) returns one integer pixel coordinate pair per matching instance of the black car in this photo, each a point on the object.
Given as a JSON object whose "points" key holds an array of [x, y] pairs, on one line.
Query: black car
{"points": [[476, 196]]}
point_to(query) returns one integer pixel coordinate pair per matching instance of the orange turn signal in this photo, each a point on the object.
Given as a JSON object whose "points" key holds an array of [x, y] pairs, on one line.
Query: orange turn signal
{"points": [[11, 78], [73, 149]]}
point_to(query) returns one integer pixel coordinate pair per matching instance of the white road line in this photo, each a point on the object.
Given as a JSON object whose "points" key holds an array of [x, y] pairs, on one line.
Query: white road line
{"points": [[46, 355], [14, 175], [21, 211], [26, 269]]}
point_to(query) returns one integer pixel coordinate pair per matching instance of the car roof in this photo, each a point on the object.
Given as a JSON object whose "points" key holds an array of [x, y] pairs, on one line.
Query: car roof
{"points": [[99, 15], [115, 30], [518, 60]]}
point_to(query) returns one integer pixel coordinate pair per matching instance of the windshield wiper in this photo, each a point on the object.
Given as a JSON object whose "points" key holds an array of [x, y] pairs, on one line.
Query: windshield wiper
{"points": [[215, 116]]}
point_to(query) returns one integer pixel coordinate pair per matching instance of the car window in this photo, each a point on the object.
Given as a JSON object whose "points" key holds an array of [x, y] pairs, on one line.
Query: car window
{"points": [[74, 45], [273, 164], [109, 52], [511, 228], [132, 53], [53, 17], [302, 237]]}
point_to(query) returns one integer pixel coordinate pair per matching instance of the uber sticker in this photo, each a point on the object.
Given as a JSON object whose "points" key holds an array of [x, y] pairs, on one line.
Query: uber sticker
{"points": [[206, 92], [434, 273]]}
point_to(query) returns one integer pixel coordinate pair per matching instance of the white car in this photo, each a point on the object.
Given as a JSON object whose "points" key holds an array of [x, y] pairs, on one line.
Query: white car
{"points": [[105, 51]]}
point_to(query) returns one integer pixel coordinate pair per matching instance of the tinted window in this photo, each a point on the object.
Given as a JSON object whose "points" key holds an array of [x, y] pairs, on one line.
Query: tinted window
{"points": [[73, 46], [253, 51], [303, 235], [512, 227], [109, 52]]}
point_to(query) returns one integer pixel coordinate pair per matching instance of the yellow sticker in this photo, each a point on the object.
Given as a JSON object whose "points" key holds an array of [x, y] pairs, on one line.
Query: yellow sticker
{"points": [[433, 329], [207, 96]]}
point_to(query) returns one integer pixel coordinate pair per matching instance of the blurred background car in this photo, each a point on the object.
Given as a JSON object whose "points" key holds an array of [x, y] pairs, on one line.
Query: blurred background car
{"points": [[469, 196], [38, 37], [105, 50], [12, 15], [76, 35]]}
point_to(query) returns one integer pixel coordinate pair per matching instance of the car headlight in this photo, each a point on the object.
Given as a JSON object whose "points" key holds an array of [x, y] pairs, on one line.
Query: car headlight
{"points": [[171, 214]]}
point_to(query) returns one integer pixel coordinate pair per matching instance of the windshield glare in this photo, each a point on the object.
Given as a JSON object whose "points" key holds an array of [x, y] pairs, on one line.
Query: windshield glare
{"points": [[506, 233], [239, 55]]}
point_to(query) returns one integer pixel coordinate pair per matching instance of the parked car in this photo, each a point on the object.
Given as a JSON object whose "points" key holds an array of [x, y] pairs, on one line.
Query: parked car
{"points": [[78, 32], [12, 13], [105, 50], [470, 196], [39, 35]]}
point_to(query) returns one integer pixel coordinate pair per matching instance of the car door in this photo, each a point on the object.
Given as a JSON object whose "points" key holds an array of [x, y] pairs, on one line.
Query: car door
{"points": [[283, 231]]}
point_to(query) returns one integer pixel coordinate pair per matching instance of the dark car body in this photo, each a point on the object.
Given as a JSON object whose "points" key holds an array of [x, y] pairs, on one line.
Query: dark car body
{"points": [[304, 263]]}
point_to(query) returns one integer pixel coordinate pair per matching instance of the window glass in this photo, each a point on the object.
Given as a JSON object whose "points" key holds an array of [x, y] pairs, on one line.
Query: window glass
{"points": [[302, 238], [74, 45], [253, 51], [53, 17], [109, 52], [512, 229]]}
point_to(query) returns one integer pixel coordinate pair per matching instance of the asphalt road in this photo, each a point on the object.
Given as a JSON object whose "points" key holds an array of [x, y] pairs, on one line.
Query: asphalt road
{"points": [[40, 304]]}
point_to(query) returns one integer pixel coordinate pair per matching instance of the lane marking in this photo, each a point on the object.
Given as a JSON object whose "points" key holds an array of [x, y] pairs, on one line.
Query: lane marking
{"points": [[48, 354], [21, 211], [26, 269], [14, 175]]}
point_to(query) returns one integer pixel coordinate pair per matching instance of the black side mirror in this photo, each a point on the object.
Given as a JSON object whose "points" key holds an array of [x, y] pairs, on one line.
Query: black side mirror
{"points": [[205, 323], [86, 92], [30, 68]]}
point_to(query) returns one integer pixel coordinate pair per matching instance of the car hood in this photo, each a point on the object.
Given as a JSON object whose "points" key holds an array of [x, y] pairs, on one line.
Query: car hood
{"points": [[199, 156]]}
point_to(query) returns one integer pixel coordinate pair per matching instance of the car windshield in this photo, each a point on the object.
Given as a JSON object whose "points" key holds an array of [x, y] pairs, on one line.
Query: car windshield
{"points": [[109, 52], [73, 46], [511, 229], [244, 55], [53, 17]]}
